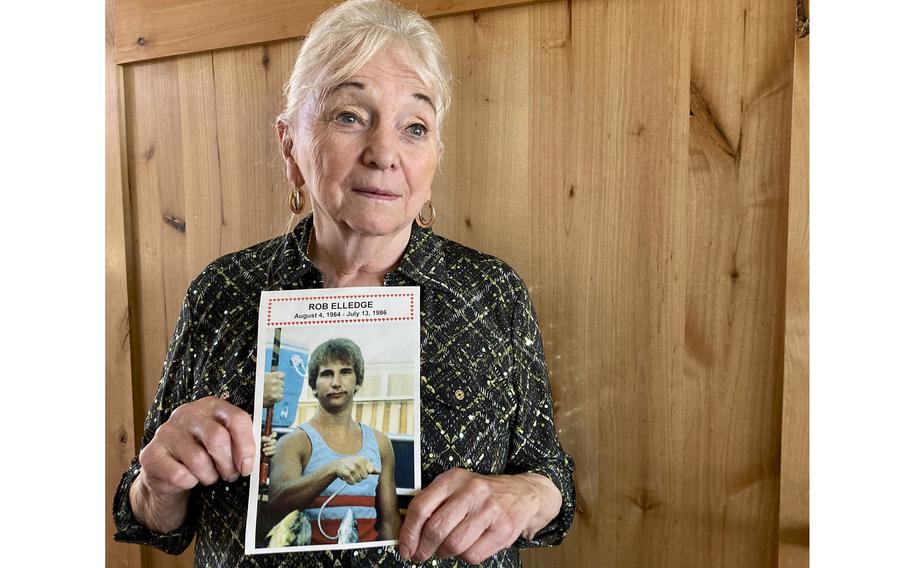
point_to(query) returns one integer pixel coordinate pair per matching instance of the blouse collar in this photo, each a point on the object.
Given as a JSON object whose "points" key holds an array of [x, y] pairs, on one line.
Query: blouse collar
{"points": [[420, 263]]}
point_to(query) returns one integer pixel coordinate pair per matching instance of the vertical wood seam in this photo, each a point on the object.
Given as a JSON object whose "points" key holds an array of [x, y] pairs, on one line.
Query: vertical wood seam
{"points": [[119, 340]]}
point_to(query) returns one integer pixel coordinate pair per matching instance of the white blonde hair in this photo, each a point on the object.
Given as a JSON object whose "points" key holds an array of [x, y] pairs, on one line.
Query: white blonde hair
{"points": [[346, 36]]}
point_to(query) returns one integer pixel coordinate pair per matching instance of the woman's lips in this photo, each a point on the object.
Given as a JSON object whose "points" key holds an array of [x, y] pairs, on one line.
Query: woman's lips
{"points": [[375, 193]]}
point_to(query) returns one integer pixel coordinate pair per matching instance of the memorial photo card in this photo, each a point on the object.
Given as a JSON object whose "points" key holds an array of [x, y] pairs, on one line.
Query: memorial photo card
{"points": [[336, 418]]}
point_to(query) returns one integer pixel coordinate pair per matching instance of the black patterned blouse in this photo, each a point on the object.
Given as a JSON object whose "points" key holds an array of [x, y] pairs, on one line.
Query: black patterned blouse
{"points": [[479, 339]]}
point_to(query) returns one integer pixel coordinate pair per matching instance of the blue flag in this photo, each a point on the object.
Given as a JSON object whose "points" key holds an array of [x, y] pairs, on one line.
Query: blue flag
{"points": [[293, 363]]}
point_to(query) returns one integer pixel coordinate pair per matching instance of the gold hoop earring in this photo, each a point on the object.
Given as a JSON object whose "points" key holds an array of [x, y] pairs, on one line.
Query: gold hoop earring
{"points": [[425, 222], [296, 201]]}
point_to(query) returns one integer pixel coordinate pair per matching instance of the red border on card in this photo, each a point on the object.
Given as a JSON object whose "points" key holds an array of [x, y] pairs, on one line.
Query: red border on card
{"points": [[269, 321]]}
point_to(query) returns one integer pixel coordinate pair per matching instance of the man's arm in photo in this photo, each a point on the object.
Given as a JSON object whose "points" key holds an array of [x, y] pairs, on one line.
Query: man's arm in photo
{"points": [[388, 518]]}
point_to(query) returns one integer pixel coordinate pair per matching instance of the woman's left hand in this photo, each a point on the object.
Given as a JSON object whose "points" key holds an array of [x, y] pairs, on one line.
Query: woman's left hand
{"points": [[474, 516]]}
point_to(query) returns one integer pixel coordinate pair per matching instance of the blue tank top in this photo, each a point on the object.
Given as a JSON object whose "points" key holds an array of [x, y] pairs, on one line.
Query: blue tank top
{"points": [[361, 497]]}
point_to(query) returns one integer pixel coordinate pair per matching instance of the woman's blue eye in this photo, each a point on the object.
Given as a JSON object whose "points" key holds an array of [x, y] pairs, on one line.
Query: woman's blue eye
{"points": [[347, 118], [418, 130]]}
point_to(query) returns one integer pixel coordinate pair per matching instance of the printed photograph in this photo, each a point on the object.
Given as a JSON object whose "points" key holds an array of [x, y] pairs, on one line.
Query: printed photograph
{"points": [[338, 405]]}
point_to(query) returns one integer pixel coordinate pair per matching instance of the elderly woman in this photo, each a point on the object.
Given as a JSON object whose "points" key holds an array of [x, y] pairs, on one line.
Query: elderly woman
{"points": [[332, 453], [360, 137]]}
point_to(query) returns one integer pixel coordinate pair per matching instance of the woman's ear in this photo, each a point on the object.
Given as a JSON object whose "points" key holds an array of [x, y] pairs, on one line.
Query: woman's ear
{"points": [[284, 138], [286, 143]]}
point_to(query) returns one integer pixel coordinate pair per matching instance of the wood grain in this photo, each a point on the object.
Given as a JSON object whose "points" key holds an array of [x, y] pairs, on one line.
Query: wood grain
{"points": [[157, 211], [157, 153], [119, 433], [248, 90], [624, 248], [150, 29], [794, 466], [481, 192], [736, 259]]}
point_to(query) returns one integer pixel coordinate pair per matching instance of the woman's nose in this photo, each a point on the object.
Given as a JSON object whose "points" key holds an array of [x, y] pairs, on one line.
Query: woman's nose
{"points": [[381, 150]]}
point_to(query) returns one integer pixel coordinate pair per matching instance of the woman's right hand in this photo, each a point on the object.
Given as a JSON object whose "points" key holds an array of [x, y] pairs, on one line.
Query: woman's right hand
{"points": [[354, 469], [203, 441]]}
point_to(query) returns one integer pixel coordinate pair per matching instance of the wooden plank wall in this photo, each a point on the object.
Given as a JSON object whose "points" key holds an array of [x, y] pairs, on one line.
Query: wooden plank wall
{"points": [[741, 77], [631, 160], [150, 29], [119, 433], [794, 483]]}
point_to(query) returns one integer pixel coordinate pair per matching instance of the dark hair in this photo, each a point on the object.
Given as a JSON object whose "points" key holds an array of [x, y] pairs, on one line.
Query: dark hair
{"points": [[338, 349]]}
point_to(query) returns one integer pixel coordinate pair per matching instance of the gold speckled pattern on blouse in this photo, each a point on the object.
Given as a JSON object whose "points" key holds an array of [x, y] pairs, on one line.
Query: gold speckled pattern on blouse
{"points": [[485, 396]]}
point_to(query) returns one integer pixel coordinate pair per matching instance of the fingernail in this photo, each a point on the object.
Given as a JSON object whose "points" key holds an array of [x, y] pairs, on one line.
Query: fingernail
{"points": [[246, 464], [405, 553]]}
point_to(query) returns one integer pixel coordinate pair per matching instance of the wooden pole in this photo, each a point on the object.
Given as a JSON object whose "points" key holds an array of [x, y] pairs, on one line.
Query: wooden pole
{"points": [[267, 429]]}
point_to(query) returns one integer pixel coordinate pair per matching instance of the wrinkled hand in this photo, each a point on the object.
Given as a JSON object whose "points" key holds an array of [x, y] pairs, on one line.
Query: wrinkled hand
{"points": [[471, 516], [203, 441], [273, 388], [354, 469], [269, 443]]}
